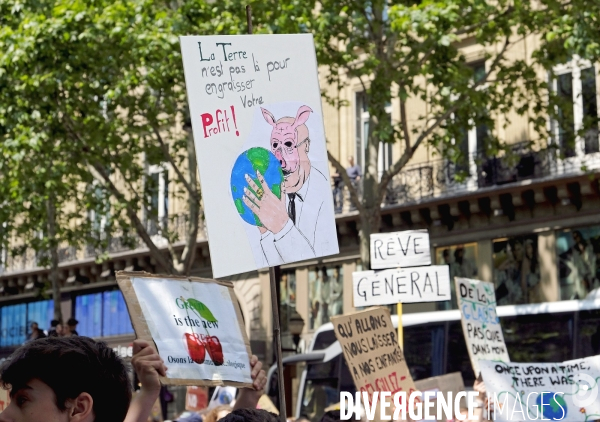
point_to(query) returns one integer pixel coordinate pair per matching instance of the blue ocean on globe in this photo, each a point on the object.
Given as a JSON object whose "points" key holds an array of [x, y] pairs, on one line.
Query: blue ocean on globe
{"points": [[249, 162], [554, 406]]}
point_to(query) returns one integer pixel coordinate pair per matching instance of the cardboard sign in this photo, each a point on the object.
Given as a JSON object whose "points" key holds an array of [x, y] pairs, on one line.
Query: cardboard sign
{"points": [[449, 383], [265, 403], [255, 106], [370, 345], [408, 248], [223, 396], [4, 399], [418, 284], [566, 391], [196, 325], [196, 398], [481, 325]]}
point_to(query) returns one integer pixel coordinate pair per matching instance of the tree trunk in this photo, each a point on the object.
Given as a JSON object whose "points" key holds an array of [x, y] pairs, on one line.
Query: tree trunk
{"points": [[53, 246], [369, 223]]}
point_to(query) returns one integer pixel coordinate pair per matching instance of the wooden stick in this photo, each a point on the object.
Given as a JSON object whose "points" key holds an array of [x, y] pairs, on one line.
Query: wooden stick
{"points": [[274, 302]]}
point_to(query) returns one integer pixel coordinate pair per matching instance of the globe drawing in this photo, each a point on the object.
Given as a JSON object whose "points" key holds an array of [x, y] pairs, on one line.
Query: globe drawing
{"points": [[249, 162], [554, 406]]}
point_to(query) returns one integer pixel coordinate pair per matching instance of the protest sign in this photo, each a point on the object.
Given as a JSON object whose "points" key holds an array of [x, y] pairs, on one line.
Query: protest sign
{"points": [[410, 285], [449, 383], [408, 248], [566, 391], [196, 325], [255, 106], [370, 345], [222, 396], [481, 325], [196, 398], [4, 399]]}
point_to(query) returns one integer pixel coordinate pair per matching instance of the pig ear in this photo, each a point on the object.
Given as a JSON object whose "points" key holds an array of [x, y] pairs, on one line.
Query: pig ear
{"points": [[302, 116], [268, 116]]}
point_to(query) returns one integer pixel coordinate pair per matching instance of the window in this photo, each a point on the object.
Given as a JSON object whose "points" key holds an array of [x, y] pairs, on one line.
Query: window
{"points": [[472, 140], [102, 314], [587, 342], [158, 199], [15, 321], [578, 257], [539, 338], [326, 294], [462, 260], [287, 298], [420, 347], [385, 160], [517, 270], [575, 87]]}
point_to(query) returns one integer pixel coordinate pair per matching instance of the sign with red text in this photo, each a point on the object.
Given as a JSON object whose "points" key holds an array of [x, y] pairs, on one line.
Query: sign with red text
{"points": [[409, 248], [407, 285], [480, 323], [255, 107], [374, 357], [196, 325]]}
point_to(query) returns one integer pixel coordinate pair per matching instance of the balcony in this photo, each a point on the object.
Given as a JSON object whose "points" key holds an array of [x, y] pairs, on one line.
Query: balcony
{"points": [[442, 178], [173, 226]]}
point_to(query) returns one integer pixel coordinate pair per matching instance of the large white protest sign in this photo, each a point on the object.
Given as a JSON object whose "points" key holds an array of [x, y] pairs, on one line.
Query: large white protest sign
{"points": [[194, 323], [481, 325], [410, 285], [408, 248], [255, 106], [566, 391]]}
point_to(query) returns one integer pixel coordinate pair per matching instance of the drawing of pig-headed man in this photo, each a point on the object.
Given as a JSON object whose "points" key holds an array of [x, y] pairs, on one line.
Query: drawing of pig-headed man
{"points": [[294, 227]]}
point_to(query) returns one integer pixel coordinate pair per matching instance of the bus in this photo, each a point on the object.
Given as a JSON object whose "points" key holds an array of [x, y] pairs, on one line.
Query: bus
{"points": [[434, 345]]}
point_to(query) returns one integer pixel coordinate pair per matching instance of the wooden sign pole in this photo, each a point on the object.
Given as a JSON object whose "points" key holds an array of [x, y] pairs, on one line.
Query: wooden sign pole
{"points": [[274, 303], [400, 326]]}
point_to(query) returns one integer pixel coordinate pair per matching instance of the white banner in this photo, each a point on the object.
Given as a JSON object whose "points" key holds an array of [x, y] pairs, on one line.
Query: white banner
{"points": [[481, 325], [566, 391], [195, 328], [410, 285], [255, 106], [408, 248]]}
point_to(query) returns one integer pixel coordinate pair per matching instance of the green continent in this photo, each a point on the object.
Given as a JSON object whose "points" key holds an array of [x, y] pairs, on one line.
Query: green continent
{"points": [[259, 158], [276, 189], [233, 189], [256, 220], [239, 204]]}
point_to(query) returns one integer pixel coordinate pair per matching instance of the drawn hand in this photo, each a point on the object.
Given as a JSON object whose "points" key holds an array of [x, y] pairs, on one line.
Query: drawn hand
{"points": [[269, 209]]}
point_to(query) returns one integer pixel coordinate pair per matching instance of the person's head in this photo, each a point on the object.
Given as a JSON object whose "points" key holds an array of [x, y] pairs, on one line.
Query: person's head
{"points": [[72, 323], [73, 379], [60, 329], [518, 250], [250, 415], [218, 413], [446, 256], [529, 248], [290, 144], [34, 326], [351, 161], [459, 253], [54, 323]]}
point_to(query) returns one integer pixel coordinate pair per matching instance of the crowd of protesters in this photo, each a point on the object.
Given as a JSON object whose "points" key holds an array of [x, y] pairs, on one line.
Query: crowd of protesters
{"points": [[57, 329]]}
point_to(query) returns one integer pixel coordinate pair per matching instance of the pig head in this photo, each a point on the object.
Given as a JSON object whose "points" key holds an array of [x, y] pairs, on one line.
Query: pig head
{"points": [[289, 139]]}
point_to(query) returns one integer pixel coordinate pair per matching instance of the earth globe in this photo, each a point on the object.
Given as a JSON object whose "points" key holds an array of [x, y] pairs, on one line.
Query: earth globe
{"points": [[248, 163], [553, 406]]}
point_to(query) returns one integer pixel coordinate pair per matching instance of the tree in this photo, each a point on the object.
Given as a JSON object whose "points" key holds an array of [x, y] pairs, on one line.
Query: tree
{"points": [[407, 51]]}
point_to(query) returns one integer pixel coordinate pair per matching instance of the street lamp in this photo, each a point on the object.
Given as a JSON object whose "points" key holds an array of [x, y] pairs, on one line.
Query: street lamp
{"points": [[296, 325]]}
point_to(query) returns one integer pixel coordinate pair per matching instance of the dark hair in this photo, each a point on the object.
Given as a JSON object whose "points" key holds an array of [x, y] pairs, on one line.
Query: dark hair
{"points": [[72, 321], [54, 323], [71, 366], [331, 416], [250, 415]]}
